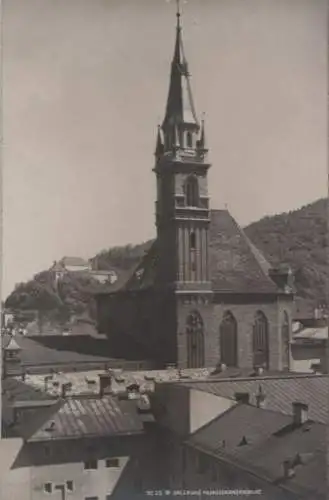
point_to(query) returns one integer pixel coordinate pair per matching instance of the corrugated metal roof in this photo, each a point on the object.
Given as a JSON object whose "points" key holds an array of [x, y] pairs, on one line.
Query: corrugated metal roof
{"points": [[280, 392], [82, 417]]}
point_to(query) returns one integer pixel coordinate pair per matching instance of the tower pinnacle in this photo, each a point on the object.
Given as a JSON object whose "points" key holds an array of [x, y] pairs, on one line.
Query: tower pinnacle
{"points": [[180, 107]]}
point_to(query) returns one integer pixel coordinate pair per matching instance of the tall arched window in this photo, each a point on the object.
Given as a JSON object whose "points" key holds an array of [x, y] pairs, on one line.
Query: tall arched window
{"points": [[285, 341], [192, 191], [195, 340], [260, 341], [189, 139], [228, 332]]}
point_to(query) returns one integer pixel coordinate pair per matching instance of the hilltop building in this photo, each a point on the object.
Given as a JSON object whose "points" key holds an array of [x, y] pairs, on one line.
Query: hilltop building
{"points": [[203, 294]]}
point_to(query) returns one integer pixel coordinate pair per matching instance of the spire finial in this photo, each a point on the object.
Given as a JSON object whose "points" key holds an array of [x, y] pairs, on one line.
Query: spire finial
{"points": [[178, 13]]}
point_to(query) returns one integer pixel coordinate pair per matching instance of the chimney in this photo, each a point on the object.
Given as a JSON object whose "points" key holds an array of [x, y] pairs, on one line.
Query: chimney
{"points": [[288, 469], [300, 413], [105, 384], [260, 398], [65, 387], [242, 397]]}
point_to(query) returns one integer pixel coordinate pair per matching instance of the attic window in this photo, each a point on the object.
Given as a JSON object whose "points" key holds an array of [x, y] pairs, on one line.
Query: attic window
{"points": [[69, 485], [48, 487], [189, 140], [112, 462], [91, 465]]}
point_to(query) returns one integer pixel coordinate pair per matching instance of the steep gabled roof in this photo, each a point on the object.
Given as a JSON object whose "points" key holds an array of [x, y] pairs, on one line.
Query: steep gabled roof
{"points": [[236, 265]]}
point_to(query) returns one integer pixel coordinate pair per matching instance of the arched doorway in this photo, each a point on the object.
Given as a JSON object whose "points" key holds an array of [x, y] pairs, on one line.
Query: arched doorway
{"points": [[285, 341], [228, 340], [195, 340], [260, 341]]}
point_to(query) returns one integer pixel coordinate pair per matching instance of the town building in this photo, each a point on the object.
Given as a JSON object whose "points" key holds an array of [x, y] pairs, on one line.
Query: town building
{"points": [[79, 448], [265, 434], [170, 433], [203, 294]]}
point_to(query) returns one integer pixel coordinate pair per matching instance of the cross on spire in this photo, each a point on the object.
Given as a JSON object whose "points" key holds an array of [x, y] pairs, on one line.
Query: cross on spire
{"points": [[178, 12]]}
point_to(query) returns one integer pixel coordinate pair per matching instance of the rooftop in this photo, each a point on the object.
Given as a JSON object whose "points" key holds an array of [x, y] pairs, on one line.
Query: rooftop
{"points": [[74, 261], [76, 418], [279, 390], [261, 440], [237, 266]]}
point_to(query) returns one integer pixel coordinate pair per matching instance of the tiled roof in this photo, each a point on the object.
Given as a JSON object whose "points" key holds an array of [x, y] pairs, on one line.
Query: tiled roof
{"points": [[236, 265], [82, 417], [20, 391], [280, 392], [42, 352], [261, 440]]}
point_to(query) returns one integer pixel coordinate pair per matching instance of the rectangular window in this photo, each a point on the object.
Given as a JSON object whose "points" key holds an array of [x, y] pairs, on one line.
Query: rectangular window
{"points": [[91, 498], [69, 485], [91, 465], [48, 487], [112, 462]]}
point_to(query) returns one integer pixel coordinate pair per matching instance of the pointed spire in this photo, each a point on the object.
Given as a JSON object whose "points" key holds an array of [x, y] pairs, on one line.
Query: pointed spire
{"points": [[159, 144], [180, 106]]}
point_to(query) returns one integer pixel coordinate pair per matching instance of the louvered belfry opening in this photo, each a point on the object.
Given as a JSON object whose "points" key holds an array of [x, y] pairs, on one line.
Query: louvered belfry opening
{"points": [[195, 340]]}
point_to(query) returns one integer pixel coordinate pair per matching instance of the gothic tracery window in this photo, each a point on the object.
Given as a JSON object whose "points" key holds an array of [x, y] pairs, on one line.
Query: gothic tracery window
{"points": [[285, 339], [192, 191], [195, 340], [260, 341], [228, 332]]}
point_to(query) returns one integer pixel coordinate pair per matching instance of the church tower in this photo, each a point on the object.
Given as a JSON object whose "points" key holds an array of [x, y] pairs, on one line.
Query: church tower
{"points": [[181, 168]]}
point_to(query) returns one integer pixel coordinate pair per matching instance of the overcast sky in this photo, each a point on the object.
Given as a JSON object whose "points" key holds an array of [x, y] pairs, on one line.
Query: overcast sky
{"points": [[85, 84]]}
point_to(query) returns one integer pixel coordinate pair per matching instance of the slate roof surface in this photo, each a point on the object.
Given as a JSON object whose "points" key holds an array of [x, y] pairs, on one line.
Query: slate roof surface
{"points": [[81, 417], [21, 391], [280, 392], [58, 350], [237, 266], [270, 439]]}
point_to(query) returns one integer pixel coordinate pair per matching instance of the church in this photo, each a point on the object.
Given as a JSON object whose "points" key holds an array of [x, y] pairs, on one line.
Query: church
{"points": [[202, 295]]}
